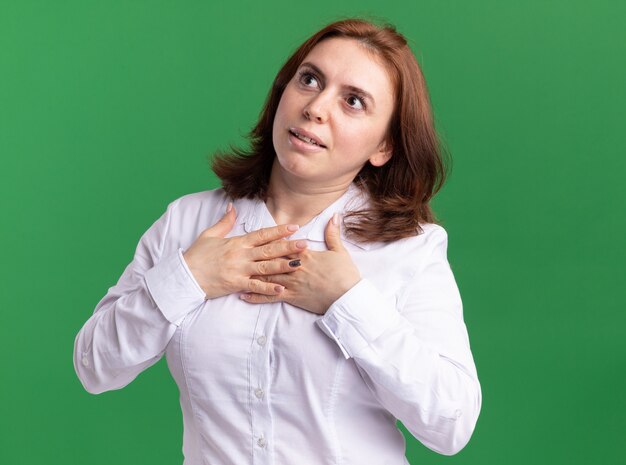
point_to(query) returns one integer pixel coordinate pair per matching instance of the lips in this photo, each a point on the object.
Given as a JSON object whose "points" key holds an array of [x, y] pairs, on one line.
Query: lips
{"points": [[306, 136]]}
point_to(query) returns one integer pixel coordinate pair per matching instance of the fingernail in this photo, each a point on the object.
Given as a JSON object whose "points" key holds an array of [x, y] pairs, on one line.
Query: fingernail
{"points": [[292, 227], [295, 263], [244, 296], [336, 219], [279, 288], [229, 207], [301, 244]]}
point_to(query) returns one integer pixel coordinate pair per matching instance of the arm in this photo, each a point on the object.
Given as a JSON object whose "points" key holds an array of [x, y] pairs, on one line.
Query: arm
{"points": [[132, 325], [414, 354]]}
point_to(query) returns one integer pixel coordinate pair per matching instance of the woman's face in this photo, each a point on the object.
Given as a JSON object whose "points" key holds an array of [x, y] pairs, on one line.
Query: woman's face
{"points": [[333, 115]]}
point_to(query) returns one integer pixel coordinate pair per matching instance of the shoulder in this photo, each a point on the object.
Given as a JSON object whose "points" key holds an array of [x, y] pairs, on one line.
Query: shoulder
{"points": [[429, 237], [415, 252], [431, 240], [196, 211], [199, 202]]}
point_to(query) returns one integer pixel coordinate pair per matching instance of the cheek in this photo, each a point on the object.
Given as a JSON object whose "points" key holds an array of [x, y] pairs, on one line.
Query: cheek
{"points": [[279, 113], [278, 121], [361, 139], [286, 102]]}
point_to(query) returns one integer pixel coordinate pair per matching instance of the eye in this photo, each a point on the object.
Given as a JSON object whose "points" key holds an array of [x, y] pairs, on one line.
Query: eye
{"points": [[308, 79], [355, 102]]}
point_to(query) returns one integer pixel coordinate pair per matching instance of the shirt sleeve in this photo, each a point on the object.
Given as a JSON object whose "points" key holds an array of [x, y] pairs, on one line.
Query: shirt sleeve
{"points": [[132, 325], [413, 351]]}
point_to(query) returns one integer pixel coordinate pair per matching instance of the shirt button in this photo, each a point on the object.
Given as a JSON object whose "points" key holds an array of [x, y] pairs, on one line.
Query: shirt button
{"points": [[85, 361], [458, 413], [259, 393], [261, 340], [261, 442]]}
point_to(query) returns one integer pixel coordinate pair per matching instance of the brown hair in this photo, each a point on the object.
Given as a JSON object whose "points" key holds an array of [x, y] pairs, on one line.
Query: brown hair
{"points": [[401, 189]]}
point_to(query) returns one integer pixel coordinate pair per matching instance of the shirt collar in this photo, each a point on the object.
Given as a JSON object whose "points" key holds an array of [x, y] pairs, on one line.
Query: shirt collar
{"points": [[253, 215]]}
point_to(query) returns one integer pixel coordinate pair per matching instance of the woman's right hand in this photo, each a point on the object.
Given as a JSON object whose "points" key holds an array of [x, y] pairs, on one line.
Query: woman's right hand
{"points": [[224, 266]]}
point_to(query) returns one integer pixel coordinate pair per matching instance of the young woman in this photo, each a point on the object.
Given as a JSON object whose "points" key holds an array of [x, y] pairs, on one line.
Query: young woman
{"points": [[308, 304]]}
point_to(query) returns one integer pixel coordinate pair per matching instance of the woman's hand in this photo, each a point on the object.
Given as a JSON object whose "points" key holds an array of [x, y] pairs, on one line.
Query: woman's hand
{"points": [[321, 278], [223, 266]]}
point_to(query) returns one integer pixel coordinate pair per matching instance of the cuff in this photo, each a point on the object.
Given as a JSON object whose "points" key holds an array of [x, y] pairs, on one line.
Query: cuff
{"points": [[358, 318], [173, 287]]}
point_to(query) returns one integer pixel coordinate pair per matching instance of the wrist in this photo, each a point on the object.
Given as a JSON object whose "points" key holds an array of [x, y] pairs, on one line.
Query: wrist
{"points": [[197, 275], [343, 287]]}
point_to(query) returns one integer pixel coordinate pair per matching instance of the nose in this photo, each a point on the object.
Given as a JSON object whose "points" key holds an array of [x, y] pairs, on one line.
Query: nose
{"points": [[317, 109]]}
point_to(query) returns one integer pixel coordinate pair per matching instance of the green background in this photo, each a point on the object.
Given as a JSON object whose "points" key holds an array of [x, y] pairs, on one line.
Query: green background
{"points": [[108, 111]]}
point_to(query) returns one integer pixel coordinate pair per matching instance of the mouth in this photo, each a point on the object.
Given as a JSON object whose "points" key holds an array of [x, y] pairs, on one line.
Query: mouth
{"points": [[306, 137]]}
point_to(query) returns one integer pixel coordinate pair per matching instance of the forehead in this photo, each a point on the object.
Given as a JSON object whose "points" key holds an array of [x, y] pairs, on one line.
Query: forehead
{"points": [[351, 61]]}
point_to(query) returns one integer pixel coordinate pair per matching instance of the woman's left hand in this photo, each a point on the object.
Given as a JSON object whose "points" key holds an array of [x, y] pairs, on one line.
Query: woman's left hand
{"points": [[321, 279]]}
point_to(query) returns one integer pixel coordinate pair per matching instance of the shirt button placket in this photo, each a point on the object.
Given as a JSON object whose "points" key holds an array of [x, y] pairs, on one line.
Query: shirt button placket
{"points": [[260, 382]]}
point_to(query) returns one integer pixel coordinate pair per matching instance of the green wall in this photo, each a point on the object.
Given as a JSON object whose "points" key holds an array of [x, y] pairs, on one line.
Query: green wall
{"points": [[108, 111]]}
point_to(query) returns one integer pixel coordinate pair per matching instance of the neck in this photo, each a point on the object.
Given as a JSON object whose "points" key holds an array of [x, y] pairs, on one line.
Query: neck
{"points": [[292, 201]]}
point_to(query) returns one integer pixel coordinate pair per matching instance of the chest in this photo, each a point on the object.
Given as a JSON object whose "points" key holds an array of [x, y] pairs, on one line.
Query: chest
{"points": [[228, 347]]}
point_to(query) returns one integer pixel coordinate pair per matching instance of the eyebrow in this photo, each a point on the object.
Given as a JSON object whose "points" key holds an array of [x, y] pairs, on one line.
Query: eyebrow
{"points": [[356, 90]]}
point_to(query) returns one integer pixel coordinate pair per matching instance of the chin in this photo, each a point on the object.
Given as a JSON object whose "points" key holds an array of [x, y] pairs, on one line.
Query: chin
{"points": [[293, 167]]}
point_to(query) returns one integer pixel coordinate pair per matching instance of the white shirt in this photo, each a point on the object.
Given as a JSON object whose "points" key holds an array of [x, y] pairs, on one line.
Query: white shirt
{"points": [[275, 384]]}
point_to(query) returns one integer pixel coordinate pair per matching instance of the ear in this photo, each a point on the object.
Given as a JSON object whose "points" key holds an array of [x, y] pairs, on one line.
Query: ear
{"points": [[382, 155]]}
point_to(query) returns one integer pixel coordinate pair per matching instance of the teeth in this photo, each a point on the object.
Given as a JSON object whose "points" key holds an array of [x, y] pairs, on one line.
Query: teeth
{"points": [[304, 138]]}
